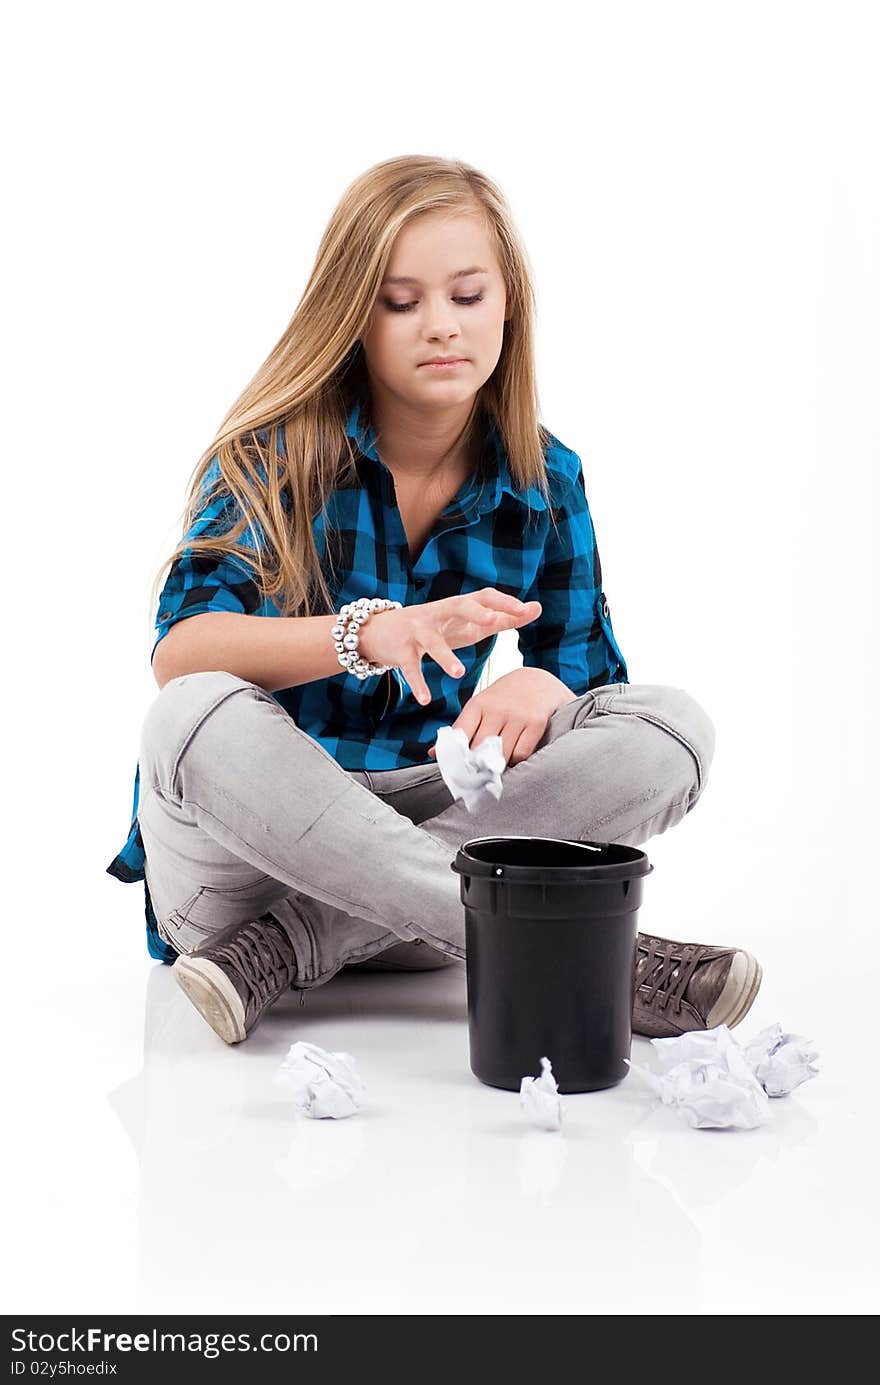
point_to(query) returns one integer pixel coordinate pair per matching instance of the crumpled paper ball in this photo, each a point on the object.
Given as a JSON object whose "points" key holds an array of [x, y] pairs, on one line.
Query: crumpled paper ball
{"points": [[474, 775], [540, 1100], [781, 1061], [324, 1084], [704, 1076], [714, 1083]]}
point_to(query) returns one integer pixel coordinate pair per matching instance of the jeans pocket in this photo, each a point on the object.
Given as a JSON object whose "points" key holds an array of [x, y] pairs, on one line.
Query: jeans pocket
{"points": [[180, 916], [212, 907]]}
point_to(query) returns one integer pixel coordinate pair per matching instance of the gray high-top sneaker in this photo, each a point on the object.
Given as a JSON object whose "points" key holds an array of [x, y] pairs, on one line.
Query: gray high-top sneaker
{"points": [[686, 986], [235, 975]]}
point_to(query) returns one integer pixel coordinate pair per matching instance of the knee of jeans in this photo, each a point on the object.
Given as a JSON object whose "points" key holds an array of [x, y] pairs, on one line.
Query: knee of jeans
{"points": [[692, 722], [173, 716]]}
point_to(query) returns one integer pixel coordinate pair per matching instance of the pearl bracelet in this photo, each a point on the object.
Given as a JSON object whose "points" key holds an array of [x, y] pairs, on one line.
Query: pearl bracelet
{"points": [[349, 619]]}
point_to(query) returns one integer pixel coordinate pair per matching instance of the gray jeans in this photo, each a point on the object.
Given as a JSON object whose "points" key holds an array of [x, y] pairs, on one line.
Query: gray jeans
{"points": [[241, 811]]}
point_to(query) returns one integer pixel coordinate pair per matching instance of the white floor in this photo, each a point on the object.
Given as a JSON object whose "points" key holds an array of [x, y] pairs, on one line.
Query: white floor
{"points": [[156, 1169], [717, 369]]}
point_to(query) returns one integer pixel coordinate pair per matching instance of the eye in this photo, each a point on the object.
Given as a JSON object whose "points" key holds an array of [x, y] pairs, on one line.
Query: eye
{"points": [[407, 307]]}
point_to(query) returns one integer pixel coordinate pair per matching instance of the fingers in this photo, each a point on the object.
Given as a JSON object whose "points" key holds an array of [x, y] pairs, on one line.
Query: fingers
{"points": [[472, 608], [518, 743], [440, 652], [501, 603], [524, 744], [412, 672], [487, 608], [498, 619], [431, 643]]}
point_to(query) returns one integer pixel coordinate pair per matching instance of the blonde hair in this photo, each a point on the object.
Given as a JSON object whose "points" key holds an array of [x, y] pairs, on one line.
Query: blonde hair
{"points": [[309, 380]]}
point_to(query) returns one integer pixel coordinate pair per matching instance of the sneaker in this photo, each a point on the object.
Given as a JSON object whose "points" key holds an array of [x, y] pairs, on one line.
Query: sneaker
{"points": [[236, 974], [686, 986]]}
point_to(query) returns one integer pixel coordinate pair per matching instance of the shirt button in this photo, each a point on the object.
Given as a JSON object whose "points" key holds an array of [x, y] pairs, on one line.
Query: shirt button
{"points": [[419, 582]]}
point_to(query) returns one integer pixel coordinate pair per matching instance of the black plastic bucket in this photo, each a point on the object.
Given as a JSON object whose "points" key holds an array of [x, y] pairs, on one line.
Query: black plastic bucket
{"points": [[550, 933]]}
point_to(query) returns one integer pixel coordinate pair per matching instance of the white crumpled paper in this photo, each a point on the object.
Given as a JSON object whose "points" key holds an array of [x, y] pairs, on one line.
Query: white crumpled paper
{"points": [[474, 775], [715, 1084], [324, 1084], [706, 1079], [781, 1061], [540, 1099]]}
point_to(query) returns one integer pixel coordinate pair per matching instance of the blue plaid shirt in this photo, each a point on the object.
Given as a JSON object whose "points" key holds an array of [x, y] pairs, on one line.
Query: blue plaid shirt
{"points": [[489, 535]]}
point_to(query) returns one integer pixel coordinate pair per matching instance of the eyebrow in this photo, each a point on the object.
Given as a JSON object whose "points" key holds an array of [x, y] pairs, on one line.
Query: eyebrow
{"points": [[456, 274]]}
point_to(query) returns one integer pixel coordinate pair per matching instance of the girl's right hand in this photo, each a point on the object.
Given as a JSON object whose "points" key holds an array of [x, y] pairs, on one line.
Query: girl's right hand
{"points": [[400, 637]]}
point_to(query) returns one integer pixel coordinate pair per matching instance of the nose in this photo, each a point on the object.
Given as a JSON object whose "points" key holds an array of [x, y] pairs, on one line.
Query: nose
{"points": [[442, 321]]}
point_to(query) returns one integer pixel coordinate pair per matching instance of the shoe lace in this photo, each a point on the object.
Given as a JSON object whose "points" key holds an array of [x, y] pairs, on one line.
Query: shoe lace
{"points": [[262, 955], [666, 969]]}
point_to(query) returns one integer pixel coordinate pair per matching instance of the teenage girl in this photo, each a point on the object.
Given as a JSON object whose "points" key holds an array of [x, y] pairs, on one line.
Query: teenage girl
{"points": [[378, 504]]}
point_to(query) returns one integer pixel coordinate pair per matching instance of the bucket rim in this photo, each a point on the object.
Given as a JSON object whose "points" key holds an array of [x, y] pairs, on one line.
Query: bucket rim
{"points": [[466, 864]]}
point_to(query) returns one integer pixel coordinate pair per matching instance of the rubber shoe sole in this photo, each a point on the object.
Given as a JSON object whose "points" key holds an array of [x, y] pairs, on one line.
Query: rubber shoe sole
{"points": [[213, 995], [740, 989]]}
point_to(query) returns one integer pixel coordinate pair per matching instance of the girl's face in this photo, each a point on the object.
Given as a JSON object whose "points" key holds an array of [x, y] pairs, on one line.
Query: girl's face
{"points": [[439, 311]]}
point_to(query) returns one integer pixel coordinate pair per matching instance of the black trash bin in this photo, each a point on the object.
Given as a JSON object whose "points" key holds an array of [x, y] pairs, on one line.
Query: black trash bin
{"points": [[550, 931]]}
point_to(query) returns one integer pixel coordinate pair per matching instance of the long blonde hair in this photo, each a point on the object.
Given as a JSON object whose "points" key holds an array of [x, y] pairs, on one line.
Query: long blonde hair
{"points": [[309, 380]]}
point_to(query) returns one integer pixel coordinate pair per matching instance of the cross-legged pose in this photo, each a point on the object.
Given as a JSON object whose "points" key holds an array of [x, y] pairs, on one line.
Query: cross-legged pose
{"points": [[379, 503]]}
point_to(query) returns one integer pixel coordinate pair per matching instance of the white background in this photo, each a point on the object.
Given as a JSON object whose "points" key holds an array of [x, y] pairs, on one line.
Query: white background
{"points": [[696, 184]]}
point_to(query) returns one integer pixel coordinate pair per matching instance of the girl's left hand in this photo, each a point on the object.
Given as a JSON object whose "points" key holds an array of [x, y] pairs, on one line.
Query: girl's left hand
{"points": [[515, 707]]}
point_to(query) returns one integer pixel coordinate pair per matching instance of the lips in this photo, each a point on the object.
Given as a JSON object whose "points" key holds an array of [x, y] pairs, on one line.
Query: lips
{"points": [[449, 361]]}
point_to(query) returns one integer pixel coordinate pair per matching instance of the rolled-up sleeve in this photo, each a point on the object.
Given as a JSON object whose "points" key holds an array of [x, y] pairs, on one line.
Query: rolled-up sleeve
{"points": [[572, 638]]}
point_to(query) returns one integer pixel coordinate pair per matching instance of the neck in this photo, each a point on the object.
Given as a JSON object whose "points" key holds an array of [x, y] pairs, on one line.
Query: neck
{"points": [[425, 447]]}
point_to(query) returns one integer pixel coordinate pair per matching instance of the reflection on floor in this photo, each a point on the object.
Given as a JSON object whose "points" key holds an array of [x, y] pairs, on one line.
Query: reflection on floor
{"points": [[437, 1197]]}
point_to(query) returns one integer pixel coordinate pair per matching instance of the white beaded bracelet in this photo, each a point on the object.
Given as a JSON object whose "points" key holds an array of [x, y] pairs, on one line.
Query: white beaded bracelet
{"points": [[349, 619]]}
